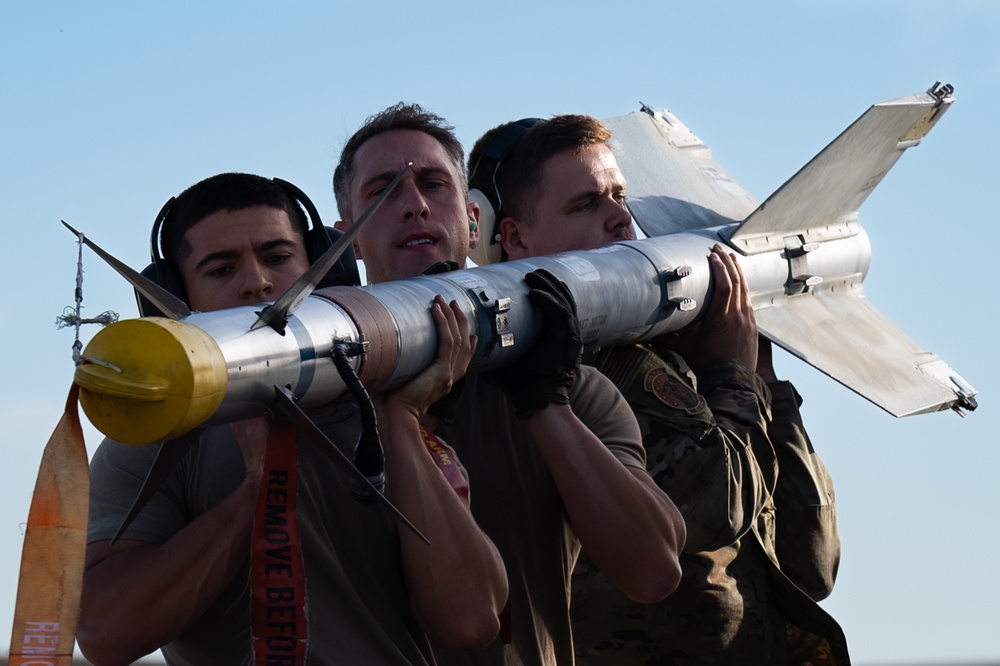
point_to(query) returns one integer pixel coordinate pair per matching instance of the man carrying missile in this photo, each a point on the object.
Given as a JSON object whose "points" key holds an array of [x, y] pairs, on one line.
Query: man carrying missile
{"points": [[181, 577], [552, 450], [762, 546]]}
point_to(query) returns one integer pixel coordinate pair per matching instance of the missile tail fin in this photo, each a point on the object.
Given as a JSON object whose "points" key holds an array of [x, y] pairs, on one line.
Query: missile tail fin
{"points": [[673, 182], [848, 339], [821, 201]]}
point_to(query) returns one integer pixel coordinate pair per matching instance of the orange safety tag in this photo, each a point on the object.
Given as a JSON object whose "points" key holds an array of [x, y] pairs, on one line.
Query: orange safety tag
{"points": [[55, 544]]}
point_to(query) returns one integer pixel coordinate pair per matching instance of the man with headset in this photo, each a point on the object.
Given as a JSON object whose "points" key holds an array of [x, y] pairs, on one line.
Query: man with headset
{"points": [[180, 578], [716, 422], [552, 450]]}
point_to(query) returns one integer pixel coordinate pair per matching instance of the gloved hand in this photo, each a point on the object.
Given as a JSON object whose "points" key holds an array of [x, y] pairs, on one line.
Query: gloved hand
{"points": [[545, 375]]}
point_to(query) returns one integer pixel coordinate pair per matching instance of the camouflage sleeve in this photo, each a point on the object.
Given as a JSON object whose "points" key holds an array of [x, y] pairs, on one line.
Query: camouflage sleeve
{"points": [[709, 452], [806, 540]]}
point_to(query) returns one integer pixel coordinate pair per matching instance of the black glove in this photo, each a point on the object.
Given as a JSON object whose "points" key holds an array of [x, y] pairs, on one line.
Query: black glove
{"points": [[545, 375]]}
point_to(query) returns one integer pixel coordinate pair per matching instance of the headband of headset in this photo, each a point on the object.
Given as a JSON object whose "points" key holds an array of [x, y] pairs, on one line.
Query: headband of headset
{"points": [[318, 239], [493, 151]]}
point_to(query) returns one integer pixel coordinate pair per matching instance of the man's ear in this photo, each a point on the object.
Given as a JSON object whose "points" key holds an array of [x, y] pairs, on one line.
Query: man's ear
{"points": [[512, 237], [340, 225], [473, 211]]}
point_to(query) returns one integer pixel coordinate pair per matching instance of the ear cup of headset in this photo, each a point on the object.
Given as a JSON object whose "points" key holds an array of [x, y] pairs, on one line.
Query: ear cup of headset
{"points": [[487, 250], [160, 271], [320, 238], [165, 276], [344, 273]]}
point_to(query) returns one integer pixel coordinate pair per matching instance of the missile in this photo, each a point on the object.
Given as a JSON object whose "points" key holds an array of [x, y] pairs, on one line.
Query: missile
{"points": [[803, 253]]}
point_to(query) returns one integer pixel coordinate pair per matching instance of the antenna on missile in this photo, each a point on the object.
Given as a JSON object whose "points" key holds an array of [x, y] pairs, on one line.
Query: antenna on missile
{"points": [[276, 314]]}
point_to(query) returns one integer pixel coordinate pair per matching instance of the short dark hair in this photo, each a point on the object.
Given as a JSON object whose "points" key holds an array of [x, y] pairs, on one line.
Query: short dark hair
{"points": [[401, 116], [511, 182], [225, 191]]}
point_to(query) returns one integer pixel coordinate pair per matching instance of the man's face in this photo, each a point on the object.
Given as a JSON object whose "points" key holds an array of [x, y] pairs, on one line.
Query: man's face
{"points": [[425, 219], [241, 257], [579, 205]]}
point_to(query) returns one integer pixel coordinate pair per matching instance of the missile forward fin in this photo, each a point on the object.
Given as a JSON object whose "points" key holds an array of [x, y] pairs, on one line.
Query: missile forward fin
{"points": [[168, 304], [845, 337], [276, 315], [821, 201]]}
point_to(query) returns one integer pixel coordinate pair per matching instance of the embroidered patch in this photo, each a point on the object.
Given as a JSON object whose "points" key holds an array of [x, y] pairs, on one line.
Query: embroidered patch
{"points": [[671, 391]]}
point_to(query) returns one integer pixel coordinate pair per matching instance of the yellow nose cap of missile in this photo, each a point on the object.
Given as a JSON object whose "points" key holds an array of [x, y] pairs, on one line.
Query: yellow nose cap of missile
{"points": [[172, 377]]}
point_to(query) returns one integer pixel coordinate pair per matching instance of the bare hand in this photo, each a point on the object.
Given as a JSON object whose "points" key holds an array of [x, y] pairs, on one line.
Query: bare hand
{"points": [[729, 330], [251, 436], [454, 352]]}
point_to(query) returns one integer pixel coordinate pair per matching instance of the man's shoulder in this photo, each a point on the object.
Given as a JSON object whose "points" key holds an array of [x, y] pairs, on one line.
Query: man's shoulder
{"points": [[213, 448]]}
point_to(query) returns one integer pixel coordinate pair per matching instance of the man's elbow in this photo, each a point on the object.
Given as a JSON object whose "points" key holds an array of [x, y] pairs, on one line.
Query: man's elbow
{"points": [[818, 584], [659, 573], [657, 585]]}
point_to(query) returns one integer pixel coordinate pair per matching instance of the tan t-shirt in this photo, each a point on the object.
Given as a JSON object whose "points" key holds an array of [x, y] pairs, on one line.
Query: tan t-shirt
{"points": [[357, 605]]}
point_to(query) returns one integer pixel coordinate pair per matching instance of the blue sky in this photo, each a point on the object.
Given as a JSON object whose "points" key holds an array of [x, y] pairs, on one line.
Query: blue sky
{"points": [[110, 109]]}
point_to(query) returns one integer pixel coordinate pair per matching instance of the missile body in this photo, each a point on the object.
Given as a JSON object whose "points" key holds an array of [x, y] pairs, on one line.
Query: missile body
{"points": [[211, 368]]}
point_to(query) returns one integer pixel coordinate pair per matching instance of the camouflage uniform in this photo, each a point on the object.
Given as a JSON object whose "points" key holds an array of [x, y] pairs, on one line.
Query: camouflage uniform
{"points": [[712, 453]]}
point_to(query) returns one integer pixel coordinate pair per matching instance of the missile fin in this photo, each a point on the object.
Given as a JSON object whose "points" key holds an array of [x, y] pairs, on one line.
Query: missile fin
{"points": [[821, 201], [673, 182], [311, 432], [276, 315], [844, 336], [169, 305]]}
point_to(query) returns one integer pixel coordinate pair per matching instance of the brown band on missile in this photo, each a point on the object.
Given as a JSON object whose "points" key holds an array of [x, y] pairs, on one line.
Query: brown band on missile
{"points": [[379, 328]]}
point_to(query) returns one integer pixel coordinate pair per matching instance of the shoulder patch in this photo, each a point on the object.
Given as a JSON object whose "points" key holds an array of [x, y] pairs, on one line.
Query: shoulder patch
{"points": [[671, 391]]}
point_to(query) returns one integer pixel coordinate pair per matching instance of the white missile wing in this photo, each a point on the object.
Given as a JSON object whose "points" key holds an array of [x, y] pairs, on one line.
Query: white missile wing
{"points": [[673, 182], [819, 314]]}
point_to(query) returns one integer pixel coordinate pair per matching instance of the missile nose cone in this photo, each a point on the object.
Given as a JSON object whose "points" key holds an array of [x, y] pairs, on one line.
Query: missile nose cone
{"points": [[162, 379]]}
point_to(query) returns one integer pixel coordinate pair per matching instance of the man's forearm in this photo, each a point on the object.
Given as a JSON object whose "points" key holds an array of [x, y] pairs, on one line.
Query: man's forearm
{"points": [[629, 528], [139, 596], [458, 584]]}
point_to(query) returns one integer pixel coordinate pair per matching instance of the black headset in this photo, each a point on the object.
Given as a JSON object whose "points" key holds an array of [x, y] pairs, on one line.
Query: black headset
{"points": [[318, 239], [493, 151]]}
